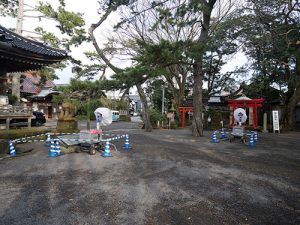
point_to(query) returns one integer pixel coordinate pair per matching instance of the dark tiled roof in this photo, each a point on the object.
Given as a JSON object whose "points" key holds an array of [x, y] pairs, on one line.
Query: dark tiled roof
{"points": [[19, 42]]}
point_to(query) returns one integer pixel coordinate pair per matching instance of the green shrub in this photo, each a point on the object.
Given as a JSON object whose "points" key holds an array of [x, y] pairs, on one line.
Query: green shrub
{"points": [[173, 125], [12, 99], [155, 116], [19, 133], [125, 118], [24, 132]]}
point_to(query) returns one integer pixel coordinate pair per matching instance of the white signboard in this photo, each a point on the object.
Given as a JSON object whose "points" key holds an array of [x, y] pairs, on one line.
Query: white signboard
{"points": [[275, 116]]}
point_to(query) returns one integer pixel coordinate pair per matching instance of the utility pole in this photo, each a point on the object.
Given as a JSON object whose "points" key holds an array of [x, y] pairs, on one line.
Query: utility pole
{"points": [[17, 76], [163, 101]]}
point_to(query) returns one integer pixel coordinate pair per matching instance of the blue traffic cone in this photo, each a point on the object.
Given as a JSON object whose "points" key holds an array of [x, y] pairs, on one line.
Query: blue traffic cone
{"points": [[52, 152], [107, 150], [12, 150], [127, 146], [255, 137], [223, 134], [214, 138], [251, 141], [57, 149]]}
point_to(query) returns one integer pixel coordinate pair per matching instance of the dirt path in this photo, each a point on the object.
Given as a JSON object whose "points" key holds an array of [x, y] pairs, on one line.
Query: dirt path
{"points": [[167, 178]]}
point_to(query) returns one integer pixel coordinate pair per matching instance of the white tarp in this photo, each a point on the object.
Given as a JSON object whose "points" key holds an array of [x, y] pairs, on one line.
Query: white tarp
{"points": [[106, 116], [240, 115]]}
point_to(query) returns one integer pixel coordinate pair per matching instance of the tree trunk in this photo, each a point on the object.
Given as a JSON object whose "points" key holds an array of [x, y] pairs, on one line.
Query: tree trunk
{"points": [[291, 107], [16, 85], [295, 98], [146, 115], [19, 27], [197, 127]]}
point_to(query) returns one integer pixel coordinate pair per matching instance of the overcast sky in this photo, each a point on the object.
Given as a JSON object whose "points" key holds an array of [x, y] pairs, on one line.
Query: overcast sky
{"points": [[89, 10], [90, 15]]}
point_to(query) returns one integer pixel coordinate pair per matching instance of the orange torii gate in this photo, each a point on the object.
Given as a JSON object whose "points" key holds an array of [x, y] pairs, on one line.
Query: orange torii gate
{"points": [[234, 104], [246, 102], [183, 111]]}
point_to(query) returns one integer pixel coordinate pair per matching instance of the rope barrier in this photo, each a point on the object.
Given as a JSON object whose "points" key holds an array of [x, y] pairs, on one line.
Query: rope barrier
{"points": [[60, 134], [89, 140], [21, 140], [25, 139]]}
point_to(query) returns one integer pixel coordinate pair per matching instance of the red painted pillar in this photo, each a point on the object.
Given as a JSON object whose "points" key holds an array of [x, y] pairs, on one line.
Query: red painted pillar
{"points": [[182, 118], [255, 115], [232, 118]]}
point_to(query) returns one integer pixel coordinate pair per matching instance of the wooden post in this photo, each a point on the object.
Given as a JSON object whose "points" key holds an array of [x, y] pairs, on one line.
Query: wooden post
{"points": [[7, 123], [29, 122], [265, 130]]}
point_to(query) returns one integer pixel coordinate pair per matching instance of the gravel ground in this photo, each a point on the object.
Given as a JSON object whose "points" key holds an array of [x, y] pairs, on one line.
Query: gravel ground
{"points": [[168, 177]]}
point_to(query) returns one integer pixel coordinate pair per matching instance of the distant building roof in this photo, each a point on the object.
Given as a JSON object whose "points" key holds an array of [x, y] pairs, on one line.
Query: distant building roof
{"points": [[244, 97], [214, 99], [31, 84], [28, 86], [45, 93]]}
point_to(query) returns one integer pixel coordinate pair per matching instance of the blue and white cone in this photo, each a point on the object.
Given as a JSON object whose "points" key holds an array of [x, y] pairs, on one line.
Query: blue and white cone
{"points": [[12, 150], [126, 146], [223, 134], [251, 141], [52, 152], [106, 152], [214, 138], [57, 149], [255, 137]]}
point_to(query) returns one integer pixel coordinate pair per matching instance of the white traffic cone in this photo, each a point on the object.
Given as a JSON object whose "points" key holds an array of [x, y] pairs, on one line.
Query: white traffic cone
{"points": [[107, 150], [12, 150], [127, 146], [52, 152], [214, 138], [251, 141], [255, 136], [57, 148]]}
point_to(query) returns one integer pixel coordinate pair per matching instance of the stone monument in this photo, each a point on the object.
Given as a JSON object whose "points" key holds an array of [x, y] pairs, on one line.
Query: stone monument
{"points": [[66, 120]]}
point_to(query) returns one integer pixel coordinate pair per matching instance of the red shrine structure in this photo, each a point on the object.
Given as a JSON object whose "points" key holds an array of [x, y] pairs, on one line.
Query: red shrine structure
{"points": [[244, 102], [183, 111]]}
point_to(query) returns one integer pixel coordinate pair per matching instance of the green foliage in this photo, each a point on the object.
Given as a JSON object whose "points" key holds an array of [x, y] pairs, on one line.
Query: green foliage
{"points": [[162, 54], [274, 26], [48, 37], [8, 7], [125, 118], [12, 99], [154, 91], [24, 132], [48, 73], [85, 108], [68, 21], [173, 125], [90, 71], [58, 99], [114, 104], [155, 116], [83, 90]]}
